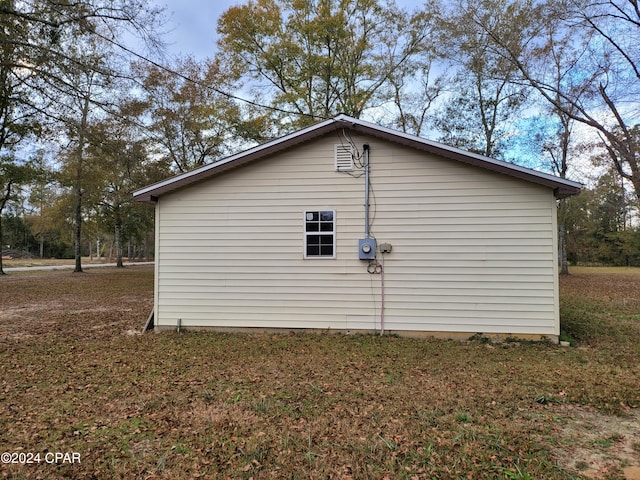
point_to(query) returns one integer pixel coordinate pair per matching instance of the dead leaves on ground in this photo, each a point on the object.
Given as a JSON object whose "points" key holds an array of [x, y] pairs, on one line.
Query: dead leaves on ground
{"points": [[293, 406]]}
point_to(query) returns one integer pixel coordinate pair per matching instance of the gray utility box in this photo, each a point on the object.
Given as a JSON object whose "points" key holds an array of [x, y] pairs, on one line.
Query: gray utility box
{"points": [[367, 248]]}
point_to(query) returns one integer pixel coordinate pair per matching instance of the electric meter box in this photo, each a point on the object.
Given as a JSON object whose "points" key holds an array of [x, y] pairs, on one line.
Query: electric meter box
{"points": [[367, 248]]}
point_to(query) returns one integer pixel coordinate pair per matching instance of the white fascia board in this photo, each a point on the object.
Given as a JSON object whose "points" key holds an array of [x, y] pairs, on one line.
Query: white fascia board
{"points": [[220, 163], [441, 146]]}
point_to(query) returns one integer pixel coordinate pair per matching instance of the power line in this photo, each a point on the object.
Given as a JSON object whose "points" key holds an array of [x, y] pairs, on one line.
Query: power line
{"points": [[201, 84]]}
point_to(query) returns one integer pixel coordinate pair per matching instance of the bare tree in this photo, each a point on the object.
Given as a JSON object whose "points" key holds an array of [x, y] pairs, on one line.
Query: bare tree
{"points": [[417, 83], [484, 97], [600, 69]]}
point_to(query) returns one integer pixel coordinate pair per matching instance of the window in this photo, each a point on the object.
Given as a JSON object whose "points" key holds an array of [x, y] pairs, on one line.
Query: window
{"points": [[320, 234]]}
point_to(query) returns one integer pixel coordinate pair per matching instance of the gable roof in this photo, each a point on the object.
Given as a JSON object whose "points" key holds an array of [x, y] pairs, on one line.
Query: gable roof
{"points": [[562, 188]]}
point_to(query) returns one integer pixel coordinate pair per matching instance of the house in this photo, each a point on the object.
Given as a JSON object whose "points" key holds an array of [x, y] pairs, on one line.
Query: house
{"points": [[349, 226]]}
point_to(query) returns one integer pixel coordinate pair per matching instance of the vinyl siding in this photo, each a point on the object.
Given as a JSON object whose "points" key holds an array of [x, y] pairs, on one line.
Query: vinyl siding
{"points": [[473, 250]]}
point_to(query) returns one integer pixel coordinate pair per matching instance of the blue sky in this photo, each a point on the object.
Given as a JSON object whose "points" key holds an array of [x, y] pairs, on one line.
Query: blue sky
{"points": [[193, 23]]}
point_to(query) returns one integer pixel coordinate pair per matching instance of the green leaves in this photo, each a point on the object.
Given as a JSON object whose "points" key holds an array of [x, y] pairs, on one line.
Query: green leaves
{"points": [[189, 121], [316, 58]]}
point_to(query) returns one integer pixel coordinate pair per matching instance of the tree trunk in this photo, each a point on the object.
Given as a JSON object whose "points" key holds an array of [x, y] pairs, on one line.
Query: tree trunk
{"points": [[562, 249], [562, 208], [3, 202], [1, 269], [118, 236], [78, 187], [77, 247]]}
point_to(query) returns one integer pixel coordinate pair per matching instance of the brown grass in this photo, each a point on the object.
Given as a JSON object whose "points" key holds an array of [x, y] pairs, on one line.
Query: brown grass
{"points": [[8, 262], [77, 377]]}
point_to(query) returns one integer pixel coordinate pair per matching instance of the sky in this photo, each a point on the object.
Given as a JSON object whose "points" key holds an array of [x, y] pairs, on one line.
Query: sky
{"points": [[192, 24]]}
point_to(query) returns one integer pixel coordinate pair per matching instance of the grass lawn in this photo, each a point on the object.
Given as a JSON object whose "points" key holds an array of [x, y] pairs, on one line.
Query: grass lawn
{"points": [[78, 378]]}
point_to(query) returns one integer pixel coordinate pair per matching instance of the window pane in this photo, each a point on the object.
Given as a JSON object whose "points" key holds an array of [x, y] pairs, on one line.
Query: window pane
{"points": [[326, 227], [326, 239], [312, 227], [326, 250], [313, 240], [326, 216], [313, 251]]}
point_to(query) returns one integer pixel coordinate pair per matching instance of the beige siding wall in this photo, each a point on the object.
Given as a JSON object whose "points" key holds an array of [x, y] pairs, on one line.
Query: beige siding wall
{"points": [[473, 251]]}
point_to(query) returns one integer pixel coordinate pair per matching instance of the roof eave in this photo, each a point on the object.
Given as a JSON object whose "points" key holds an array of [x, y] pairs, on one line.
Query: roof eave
{"points": [[148, 193], [562, 188]]}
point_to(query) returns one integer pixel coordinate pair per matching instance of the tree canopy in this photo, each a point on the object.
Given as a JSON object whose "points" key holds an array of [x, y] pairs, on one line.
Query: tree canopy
{"points": [[318, 58], [547, 83]]}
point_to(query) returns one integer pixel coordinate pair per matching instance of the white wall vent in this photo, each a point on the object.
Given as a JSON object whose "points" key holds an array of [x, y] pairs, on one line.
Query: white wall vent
{"points": [[344, 158]]}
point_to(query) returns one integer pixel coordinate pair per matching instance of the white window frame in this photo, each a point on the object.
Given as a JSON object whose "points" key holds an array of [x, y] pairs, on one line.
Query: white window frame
{"points": [[311, 233]]}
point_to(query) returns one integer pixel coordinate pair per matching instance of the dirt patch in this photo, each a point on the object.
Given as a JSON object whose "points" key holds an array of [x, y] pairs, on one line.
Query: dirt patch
{"points": [[70, 305], [24, 322], [600, 446]]}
